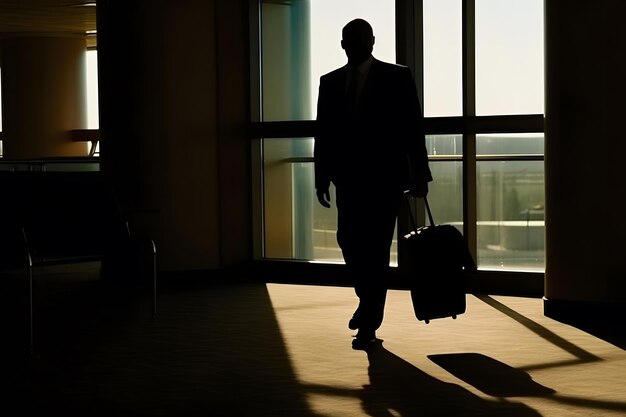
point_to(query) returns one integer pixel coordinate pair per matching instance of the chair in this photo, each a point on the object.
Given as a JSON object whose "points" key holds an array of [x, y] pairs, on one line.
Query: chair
{"points": [[69, 217], [14, 252]]}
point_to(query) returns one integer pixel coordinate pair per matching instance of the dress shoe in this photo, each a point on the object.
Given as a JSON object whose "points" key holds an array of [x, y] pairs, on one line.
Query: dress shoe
{"points": [[353, 324], [364, 340]]}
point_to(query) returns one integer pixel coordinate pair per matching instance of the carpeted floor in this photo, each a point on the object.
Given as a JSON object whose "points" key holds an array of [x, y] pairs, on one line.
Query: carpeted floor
{"points": [[284, 350]]}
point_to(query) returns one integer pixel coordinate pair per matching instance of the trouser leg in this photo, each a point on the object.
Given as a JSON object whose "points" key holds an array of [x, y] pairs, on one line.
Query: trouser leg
{"points": [[371, 289], [365, 232]]}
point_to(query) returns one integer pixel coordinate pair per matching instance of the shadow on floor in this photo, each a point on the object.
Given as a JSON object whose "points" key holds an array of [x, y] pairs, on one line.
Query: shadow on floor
{"points": [[612, 330], [398, 385], [213, 350], [398, 388], [490, 376]]}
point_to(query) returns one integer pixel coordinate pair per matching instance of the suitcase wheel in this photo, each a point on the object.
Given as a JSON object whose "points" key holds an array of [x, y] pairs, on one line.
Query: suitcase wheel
{"points": [[454, 317], [426, 321]]}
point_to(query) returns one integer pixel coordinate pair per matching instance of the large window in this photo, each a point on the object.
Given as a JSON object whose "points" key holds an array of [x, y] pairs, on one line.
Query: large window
{"points": [[1, 151], [93, 115], [479, 67], [93, 119]]}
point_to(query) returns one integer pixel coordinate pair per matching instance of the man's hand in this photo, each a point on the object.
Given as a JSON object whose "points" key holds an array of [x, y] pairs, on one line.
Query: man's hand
{"points": [[323, 196], [419, 190]]}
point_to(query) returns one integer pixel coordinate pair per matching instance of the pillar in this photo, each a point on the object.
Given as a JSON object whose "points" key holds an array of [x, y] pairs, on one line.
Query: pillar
{"points": [[43, 96], [584, 157], [174, 112]]}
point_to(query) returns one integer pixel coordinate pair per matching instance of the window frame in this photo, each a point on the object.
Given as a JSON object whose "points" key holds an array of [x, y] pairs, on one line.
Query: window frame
{"points": [[409, 51]]}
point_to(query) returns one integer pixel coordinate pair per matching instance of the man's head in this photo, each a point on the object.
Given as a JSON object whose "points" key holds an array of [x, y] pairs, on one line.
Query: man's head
{"points": [[357, 41]]}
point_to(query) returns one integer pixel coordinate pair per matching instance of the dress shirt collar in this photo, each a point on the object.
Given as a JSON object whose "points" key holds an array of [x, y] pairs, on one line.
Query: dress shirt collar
{"points": [[364, 67]]}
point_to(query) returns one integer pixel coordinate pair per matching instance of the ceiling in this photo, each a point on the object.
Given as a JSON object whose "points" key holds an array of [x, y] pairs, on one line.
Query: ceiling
{"points": [[64, 17]]}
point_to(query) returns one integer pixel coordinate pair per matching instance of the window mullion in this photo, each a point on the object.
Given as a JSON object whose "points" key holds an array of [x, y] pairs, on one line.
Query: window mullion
{"points": [[469, 136], [410, 39]]}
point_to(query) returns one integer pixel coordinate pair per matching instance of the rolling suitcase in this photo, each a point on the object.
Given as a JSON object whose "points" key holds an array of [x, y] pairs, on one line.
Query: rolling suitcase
{"points": [[438, 263]]}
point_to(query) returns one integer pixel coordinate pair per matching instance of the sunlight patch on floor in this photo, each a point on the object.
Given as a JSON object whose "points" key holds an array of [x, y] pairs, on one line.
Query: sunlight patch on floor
{"points": [[544, 366]]}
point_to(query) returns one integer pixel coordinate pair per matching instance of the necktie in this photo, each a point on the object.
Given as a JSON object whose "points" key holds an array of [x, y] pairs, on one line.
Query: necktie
{"points": [[352, 88]]}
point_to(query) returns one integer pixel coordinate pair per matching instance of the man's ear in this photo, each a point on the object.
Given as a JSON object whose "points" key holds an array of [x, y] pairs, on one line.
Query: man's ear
{"points": [[373, 39], [342, 45]]}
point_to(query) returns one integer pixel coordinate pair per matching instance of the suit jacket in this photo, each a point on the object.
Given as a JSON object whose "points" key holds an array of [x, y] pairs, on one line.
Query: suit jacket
{"points": [[380, 143]]}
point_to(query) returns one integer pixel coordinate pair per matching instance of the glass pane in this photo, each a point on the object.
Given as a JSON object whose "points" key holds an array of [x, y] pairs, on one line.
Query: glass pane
{"points": [[93, 120], [510, 144], [301, 40], [509, 57], [296, 225], [0, 105], [444, 145], [442, 58], [510, 207], [445, 195], [288, 198]]}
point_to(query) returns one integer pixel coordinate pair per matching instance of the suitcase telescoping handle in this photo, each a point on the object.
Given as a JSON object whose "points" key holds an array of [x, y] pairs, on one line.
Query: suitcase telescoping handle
{"points": [[412, 217]]}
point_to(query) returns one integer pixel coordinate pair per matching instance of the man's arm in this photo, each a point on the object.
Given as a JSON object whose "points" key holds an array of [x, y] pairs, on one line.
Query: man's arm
{"points": [[321, 151]]}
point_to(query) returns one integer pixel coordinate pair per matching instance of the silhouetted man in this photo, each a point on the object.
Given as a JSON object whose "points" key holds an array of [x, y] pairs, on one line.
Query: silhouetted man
{"points": [[370, 145]]}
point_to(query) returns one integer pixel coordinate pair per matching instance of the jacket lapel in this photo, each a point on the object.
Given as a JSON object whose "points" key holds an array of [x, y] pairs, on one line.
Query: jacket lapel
{"points": [[368, 87]]}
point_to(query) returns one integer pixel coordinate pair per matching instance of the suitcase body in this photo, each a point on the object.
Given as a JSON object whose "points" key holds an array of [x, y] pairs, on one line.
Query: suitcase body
{"points": [[438, 264]]}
